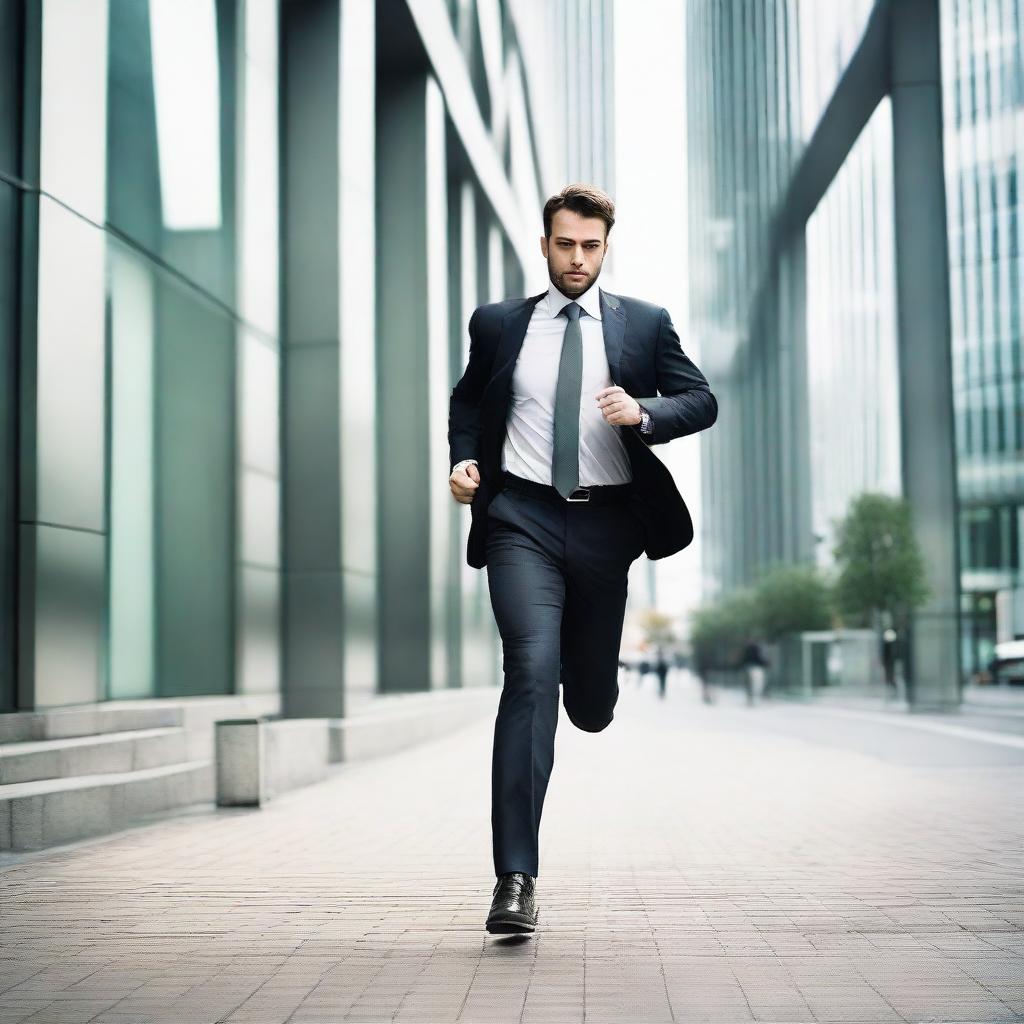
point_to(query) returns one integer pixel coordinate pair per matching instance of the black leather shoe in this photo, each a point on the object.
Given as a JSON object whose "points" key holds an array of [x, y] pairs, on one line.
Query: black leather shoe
{"points": [[514, 907]]}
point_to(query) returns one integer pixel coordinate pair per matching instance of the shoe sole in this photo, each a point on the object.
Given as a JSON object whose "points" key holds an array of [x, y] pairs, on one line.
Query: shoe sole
{"points": [[512, 925]]}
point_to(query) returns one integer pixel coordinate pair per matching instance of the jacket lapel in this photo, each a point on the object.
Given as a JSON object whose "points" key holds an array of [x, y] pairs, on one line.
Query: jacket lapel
{"points": [[510, 343], [613, 326]]}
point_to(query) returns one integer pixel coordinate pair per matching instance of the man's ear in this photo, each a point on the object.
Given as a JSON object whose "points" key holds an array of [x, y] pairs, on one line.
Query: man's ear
{"points": [[544, 246]]}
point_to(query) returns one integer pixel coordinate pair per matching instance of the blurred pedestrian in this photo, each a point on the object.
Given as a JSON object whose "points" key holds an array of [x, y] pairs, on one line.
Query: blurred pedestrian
{"points": [[661, 670], [889, 655], [553, 452], [754, 662], [702, 670]]}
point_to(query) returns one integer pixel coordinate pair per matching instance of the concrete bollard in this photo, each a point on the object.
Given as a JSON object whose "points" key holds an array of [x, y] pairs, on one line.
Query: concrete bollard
{"points": [[241, 769]]}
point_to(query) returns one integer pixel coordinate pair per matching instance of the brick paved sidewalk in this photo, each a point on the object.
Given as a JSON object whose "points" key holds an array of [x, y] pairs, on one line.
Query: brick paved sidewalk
{"points": [[698, 863]]}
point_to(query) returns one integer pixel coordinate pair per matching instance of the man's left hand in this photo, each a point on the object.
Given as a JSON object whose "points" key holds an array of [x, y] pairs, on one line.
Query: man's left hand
{"points": [[617, 407]]}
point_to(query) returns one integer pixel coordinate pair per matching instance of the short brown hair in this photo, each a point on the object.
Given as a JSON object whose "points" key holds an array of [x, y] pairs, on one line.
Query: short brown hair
{"points": [[586, 200]]}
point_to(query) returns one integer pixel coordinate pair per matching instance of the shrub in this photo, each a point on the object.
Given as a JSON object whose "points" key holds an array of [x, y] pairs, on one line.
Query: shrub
{"points": [[792, 599]]}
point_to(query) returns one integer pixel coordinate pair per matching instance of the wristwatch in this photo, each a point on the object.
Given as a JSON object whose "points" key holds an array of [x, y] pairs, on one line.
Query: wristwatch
{"points": [[646, 426]]}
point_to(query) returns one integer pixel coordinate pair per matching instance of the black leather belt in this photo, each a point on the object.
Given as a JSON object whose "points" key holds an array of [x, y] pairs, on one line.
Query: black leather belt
{"points": [[604, 494]]}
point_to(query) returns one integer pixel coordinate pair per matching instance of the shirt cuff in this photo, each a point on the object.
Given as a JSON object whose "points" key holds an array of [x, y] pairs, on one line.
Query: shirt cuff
{"points": [[461, 465]]}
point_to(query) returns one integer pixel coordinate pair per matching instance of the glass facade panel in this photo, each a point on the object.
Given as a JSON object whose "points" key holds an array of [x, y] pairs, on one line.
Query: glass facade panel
{"points": [[199, 333], [851, 333], [66, 606], [258, 171], [11, 103], [131, 627], [171, 131], [194, 368], [170, 497], [186, 106], [69, 413], [9, 203], [72, 101], [358, 370]]}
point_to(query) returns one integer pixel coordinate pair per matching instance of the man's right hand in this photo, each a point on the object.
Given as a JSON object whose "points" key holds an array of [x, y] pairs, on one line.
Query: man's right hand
{"points": [[463, 484]]}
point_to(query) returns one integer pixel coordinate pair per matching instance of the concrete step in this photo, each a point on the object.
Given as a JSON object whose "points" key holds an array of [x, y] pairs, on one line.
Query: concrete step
{"points": [[132, 749], [88, 720], [397, 721], [47, 811], [257, 759]]}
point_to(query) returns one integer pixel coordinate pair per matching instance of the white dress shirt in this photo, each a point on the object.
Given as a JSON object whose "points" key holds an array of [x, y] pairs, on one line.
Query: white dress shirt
{"points": [[529, 440]]}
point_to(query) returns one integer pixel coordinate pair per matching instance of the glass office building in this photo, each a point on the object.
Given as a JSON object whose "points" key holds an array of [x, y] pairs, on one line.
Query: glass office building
{"points": [[798, 299], [983, 74], [851, 313], [851, 256], [240, 241], [744, 116]]}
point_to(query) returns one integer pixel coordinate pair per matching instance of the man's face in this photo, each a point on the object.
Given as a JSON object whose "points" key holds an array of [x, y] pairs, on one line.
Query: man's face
{"points": [[575, 251]]}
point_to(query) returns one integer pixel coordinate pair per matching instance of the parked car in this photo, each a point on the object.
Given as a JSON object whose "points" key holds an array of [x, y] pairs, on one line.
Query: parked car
{"points": [[1007, 665]]}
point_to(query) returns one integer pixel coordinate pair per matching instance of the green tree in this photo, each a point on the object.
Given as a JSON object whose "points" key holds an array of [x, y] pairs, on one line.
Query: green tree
{"points": [[792, 599], [881, 568]]}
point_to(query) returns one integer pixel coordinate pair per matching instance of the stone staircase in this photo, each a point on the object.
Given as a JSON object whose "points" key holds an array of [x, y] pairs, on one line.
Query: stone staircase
{"points": [[69, 773]]}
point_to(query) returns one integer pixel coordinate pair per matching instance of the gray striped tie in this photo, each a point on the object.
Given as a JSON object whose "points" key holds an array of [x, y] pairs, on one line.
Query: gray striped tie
{"points": [[565, 458]]}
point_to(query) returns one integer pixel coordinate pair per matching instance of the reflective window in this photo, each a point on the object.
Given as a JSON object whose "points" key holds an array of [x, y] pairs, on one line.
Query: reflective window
{"points": [[131, 548], [186, 95], [171, 134], [194, 486]]}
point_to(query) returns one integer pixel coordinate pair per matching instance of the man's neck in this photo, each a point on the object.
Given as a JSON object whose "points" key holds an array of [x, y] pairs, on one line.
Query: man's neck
{"points": [[589, 299]]}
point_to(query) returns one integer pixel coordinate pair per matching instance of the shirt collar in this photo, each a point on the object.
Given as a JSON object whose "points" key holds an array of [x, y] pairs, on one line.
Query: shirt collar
{"points": [[589, 301]]}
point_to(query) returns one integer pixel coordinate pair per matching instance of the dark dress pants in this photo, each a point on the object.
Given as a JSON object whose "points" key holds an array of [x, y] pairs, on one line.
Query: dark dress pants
{"points": [[556, 572]]}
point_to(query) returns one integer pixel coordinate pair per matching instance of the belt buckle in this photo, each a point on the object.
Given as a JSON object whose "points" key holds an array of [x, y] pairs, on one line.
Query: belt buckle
{"points": [[585, 490]]}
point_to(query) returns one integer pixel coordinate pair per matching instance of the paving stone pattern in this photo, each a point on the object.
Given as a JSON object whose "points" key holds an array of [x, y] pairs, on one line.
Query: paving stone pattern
{"points": [[698, 863]]}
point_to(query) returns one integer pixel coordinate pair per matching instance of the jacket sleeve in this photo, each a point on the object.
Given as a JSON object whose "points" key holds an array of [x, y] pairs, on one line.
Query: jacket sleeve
{"points": [[464, 403], [686, 404]]}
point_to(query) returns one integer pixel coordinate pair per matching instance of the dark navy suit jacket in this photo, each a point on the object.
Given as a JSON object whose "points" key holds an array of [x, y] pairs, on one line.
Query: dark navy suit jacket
{"points": [[644, 358]]}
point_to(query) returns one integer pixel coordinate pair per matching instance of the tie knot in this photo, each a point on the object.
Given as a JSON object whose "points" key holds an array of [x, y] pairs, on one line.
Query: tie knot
{"points": [[572, 311]]}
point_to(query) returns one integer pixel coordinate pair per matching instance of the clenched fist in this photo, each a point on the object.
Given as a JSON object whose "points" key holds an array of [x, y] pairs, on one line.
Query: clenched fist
{"points": [[617, 407], [463, 484]]}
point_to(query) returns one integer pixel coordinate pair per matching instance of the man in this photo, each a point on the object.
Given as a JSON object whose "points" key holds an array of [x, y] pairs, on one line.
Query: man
{"points": [[755, 662], [550, 447]]}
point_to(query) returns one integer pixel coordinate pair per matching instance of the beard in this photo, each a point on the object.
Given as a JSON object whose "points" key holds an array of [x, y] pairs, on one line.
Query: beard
{"points": [[570, 286]]}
